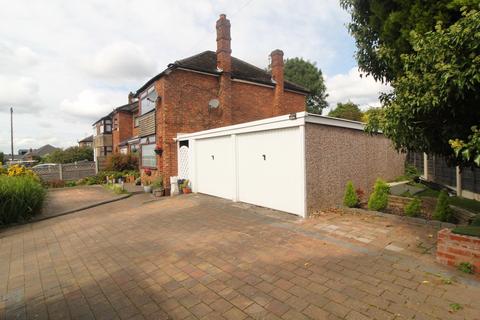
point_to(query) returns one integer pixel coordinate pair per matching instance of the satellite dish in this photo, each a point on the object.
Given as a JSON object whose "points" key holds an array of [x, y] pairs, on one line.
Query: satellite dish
{"points": [[213, 104]]}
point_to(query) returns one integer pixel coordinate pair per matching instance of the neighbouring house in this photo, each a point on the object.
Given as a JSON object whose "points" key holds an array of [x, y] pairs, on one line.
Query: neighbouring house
{"points": [[116, 132], [35, 154], [297, 163], [208, 90], [125, 127], [102, 140], [86, 142]]}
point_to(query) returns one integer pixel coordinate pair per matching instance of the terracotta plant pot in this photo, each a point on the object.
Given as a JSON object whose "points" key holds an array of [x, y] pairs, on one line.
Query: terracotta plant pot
{"points": [[186, 190]]}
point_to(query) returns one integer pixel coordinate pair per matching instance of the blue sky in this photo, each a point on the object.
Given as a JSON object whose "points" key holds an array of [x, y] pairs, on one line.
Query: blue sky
{"points": [[64, 64]]}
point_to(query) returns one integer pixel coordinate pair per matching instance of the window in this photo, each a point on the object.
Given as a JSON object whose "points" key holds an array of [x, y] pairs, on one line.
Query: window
{"points": [[149, 159], [136, 122], [108, 126], [148, 100]]}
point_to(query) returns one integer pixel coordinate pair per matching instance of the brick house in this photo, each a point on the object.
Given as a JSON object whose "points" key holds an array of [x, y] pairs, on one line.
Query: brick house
{"points": [[86, 142], [116, 132], [208, 90]]}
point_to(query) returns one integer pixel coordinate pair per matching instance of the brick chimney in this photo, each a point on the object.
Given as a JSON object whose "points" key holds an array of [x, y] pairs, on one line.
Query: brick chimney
{"points": [[224, 63], [277, 76], [130, 97]]}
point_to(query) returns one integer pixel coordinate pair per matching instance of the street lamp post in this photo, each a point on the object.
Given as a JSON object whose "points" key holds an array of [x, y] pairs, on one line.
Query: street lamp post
{"points": [[11, 132]]}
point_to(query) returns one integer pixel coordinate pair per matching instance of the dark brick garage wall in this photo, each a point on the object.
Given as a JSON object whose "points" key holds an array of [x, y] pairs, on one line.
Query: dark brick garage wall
{"points": [[335, 155]]}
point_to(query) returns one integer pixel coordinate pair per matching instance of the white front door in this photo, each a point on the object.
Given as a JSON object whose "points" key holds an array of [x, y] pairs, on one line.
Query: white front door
{"points": [[270, 169], [214, 167]]}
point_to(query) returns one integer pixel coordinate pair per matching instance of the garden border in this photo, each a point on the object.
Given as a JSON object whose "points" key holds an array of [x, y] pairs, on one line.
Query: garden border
{"points": [[413, 220]]}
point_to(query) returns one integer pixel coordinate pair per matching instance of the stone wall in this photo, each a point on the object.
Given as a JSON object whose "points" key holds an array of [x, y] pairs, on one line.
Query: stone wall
{"points": [[453, 249]]}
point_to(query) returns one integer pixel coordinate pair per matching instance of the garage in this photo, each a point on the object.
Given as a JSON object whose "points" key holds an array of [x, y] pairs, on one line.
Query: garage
{"points": [[297, 163], [258, 162], [214, 160], [270, 170]]}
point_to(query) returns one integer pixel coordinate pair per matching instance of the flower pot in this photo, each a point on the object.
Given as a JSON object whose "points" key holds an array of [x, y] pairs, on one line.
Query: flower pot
{"points": [[147, 189], [186, 190], [158, 192]]}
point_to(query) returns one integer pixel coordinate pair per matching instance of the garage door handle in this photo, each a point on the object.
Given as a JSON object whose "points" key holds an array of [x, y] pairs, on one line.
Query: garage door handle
{"points": [[264, 157], [213, 157]]}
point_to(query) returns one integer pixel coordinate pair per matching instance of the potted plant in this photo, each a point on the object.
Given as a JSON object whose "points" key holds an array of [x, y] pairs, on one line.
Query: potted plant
{"points": [[158, 150], [185, 187], [180, 185], [157, 187], [147, 186]]}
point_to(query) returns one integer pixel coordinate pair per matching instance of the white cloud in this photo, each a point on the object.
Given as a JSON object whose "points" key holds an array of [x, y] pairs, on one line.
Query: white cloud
{"points": [[61, 55], [21, 93], [363, 91], [91, 104], [122, 61], [14, 57]]}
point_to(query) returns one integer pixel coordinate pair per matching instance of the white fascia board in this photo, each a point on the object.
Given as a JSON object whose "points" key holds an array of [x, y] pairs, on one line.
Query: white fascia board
{"points": [[335, 122], [259, 125]]}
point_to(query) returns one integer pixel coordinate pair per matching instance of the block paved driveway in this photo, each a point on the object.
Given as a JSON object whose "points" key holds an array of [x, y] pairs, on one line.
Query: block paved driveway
{"points": [[198, 257]]}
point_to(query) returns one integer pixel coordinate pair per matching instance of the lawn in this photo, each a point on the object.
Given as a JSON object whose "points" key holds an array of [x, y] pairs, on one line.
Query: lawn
{"points": [[467, 204]]}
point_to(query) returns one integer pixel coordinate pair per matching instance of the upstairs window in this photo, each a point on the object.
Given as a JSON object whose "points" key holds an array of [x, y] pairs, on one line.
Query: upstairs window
{"points": [[148, 100], [107, 128]]}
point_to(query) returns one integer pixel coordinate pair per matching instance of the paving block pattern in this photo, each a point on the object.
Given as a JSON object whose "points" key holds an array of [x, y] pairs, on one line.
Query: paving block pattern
{"points": [[198, 257]]}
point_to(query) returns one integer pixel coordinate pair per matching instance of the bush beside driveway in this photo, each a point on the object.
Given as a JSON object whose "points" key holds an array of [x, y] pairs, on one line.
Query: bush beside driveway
{"points": [[198, 257]]}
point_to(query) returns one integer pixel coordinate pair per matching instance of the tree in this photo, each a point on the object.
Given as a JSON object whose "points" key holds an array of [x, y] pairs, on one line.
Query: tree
{"points": [[69, 155], [2, 157], [383, 29], [306, 73], [348, 110], [436, 98]]}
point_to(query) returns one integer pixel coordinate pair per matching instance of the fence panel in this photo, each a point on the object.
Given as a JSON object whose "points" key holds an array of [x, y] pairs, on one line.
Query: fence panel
{"points": [[69, 171]]}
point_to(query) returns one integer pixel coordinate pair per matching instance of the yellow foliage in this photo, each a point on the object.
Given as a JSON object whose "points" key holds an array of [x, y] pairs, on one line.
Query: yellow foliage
{"points": [[18, 170]]}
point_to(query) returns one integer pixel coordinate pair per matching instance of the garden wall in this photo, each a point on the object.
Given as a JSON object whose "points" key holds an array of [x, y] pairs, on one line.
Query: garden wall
{"points": [[453, 249], [335, 155]]}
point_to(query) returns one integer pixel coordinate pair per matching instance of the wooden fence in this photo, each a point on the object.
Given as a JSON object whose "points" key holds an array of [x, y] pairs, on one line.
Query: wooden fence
{"points": [[66, 172]]}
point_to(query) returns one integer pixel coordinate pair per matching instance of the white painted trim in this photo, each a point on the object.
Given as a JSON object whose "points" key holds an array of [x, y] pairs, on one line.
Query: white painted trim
{"points": [[200, 72], [254, 83], [235, 167], [259, 125], [303, 170], [336, 122]]}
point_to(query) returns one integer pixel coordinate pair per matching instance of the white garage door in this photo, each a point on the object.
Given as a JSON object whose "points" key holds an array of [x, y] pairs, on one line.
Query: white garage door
{"points": [[215, 171], [270, 171]]}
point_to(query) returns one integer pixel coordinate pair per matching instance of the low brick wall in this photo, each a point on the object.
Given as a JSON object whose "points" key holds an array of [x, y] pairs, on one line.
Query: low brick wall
{"points": [[398, 203], [452, 249]]}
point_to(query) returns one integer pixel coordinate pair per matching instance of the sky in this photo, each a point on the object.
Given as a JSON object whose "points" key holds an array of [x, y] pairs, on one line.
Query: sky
{"points": [[64, 64]]}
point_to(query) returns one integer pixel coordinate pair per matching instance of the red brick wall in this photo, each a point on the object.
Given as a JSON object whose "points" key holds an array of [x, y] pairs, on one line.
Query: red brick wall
{"points": [[124, 129], [453, 249], [184, 108]]}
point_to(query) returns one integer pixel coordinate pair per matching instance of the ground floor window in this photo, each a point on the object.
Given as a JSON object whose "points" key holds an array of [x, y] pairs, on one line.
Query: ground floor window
{"points": [[149, 158]]}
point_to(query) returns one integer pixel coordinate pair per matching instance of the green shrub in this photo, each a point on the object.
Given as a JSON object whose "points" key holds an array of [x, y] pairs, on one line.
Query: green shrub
{"points": [[351, 198], [21, 197], [476, 221], [443, 212], [413, 208], [122, 162], [115, 188], [379, 198], [158, 183]]}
